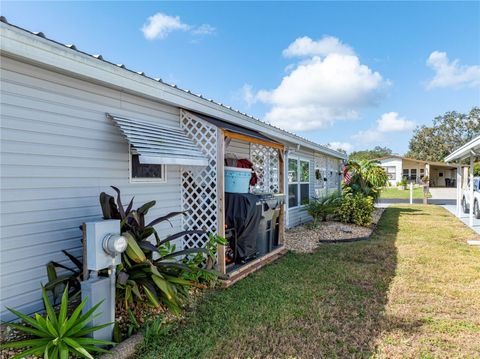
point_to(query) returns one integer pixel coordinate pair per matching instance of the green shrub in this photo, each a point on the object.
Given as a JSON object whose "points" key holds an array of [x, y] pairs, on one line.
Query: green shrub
{"points": [[58, 336], [355, 208], [321, 208], [149, 271]]}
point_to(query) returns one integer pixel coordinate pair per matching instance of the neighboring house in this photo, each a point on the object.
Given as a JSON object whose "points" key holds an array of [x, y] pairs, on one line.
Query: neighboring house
{"points": [[72, 124], [398, 168]]}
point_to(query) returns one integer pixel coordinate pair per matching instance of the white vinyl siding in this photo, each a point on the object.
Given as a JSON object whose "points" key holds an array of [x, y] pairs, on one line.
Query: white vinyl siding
{"points": [[58, 152], [237, 149]]}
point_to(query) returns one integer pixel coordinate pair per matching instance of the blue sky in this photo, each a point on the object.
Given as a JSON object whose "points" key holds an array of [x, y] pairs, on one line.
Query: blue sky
{"points": [[358, 74]]}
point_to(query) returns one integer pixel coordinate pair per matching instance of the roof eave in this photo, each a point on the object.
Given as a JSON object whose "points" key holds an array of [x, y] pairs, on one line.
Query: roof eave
{"points": [[23, 44]]}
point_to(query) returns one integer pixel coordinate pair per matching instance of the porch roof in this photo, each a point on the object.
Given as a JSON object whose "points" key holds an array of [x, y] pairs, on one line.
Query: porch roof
{"points": [[432, 163], [471, 148]]}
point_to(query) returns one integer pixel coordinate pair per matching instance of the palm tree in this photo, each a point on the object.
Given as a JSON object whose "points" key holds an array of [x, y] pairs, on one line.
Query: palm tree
{"points": [[366, 177]]}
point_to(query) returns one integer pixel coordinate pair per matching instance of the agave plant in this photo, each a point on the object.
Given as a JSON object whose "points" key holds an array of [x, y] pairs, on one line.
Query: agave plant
{"points": [[149, 271], [320, 208], [58, 336]]}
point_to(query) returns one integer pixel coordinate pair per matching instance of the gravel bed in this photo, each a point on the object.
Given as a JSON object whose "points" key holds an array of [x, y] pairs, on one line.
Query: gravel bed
{"points": [[305, 239]]}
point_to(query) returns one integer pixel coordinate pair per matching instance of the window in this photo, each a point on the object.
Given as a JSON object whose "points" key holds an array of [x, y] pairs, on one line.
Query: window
{"points": [[304, 181], [405, 173], [391, 172], [142, 172], [413, 174], [298, 182]]}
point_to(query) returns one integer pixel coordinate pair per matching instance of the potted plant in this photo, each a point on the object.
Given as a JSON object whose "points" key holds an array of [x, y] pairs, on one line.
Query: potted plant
{"points": [[402, 185]]}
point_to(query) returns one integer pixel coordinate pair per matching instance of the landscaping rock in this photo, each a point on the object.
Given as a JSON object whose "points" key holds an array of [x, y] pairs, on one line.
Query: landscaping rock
{"points": [[305, 239]]}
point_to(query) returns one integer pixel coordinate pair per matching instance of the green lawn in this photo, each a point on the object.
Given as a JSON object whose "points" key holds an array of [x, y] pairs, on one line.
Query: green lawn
{"points": [[411, 291], [394, 192]]}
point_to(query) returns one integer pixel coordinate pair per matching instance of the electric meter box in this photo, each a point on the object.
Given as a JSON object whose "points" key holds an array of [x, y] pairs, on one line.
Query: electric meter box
{"points": [[96, 232]]}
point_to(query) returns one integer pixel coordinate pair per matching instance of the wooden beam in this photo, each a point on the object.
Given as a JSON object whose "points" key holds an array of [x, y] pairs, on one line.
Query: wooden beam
{"points": [[253, 266], [221, 267], [243, 137]]}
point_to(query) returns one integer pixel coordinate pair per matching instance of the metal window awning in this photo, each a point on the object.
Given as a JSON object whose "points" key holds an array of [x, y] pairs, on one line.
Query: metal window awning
{"points": [[159, 144]]}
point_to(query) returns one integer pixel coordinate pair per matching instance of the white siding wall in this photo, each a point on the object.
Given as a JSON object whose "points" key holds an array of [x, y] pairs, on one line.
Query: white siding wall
{"points": [[238, 149], [394, 162], [58, 152]]}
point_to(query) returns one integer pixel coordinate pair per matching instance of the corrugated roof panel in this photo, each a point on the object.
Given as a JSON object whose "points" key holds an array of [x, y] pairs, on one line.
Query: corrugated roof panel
{"points": [[320, 147], [157, 144]]}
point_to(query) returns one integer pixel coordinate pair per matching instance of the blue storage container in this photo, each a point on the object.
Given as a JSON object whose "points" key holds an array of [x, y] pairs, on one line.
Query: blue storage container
{"points": [[237, 180]]}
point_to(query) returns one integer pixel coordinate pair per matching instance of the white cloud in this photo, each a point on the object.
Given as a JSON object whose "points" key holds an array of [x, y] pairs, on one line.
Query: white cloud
{"points": [[368, 137], [392, 122], [348, 147], [320, 91], [204, 29], [305, 46], [387, 123], [248, 95], [160, 25], [451, 73]]}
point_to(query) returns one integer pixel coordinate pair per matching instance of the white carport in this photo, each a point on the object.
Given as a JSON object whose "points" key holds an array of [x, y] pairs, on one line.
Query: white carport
{"points": [[467, 152]]}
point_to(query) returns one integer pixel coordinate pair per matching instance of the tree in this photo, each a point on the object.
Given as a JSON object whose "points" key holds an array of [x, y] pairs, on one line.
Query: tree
{"points": [[366, 177], [449, 131], [367, 155]]}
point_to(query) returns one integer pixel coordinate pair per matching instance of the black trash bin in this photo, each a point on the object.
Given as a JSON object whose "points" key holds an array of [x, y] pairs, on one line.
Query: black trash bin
{"points": [[267, 237]]}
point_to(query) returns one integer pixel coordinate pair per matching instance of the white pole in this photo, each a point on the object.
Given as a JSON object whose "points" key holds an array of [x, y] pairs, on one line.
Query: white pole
{"points": [[411, 192], [459, 190], [470, 213]]}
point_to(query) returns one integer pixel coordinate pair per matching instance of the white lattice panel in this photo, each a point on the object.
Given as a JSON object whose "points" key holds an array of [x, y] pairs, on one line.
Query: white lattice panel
{"points": [[199, 185], [266, 164]]}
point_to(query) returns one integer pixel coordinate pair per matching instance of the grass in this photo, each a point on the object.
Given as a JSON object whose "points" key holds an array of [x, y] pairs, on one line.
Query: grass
{"points": [[413, 290], [393, 192]]}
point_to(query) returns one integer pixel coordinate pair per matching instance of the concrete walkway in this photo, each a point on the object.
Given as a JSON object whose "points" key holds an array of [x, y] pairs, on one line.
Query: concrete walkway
{"points": [[464, 217]]}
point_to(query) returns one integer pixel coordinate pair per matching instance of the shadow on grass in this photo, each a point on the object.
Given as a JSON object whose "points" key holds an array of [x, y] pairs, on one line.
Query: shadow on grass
{"points": [[326, 304]]}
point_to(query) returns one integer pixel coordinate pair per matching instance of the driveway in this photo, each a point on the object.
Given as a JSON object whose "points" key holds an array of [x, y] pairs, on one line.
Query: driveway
{"points": [[443, 193], [440, 195]]}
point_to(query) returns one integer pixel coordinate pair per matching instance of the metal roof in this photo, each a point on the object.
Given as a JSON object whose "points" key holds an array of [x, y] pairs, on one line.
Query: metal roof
{"points": [[158, 144], [98, 57], [235, 128], [471, 148]]}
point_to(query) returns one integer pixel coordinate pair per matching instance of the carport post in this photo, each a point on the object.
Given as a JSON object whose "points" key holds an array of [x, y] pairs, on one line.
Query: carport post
{"points": [[470, 212], [459, 189]]}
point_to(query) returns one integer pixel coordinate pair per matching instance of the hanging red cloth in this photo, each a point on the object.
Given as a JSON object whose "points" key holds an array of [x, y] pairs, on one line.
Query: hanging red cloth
{"points": [[244, 163]]}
